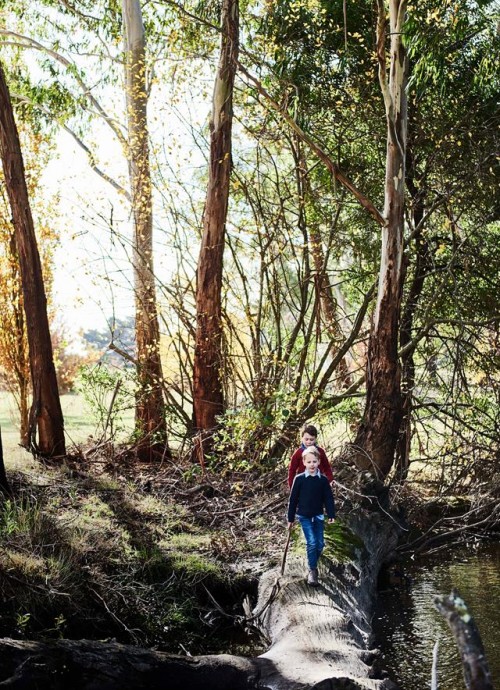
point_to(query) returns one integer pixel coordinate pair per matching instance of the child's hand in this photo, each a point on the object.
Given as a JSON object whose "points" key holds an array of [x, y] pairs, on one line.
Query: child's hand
{"points": [[290, 525], [331, 520]]}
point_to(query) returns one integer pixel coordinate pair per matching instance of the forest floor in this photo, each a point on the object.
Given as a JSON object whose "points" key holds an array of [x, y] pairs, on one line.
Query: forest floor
{"points": [[158, 555]]}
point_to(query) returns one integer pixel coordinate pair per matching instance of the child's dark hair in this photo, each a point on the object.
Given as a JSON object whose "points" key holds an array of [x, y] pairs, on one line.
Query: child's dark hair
{"points": [[310, 429]]}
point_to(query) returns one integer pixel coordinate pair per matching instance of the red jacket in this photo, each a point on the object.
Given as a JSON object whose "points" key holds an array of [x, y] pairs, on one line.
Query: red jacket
{"points": [[297, 466]]}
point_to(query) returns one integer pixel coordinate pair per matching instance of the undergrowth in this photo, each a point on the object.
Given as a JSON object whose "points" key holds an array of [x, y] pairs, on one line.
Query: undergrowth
{"points": [[96, 557]]}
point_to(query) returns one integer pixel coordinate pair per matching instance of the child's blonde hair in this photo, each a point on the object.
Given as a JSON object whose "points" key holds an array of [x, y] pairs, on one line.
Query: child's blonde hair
{"points": [[311, 450]]}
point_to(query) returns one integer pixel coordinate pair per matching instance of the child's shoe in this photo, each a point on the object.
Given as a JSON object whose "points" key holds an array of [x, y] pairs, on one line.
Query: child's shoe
{"points": [[312, 577]]}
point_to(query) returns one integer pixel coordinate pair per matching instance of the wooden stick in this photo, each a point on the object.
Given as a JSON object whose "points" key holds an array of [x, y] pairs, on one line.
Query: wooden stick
{"points": [[434, 674], [283, 561]]}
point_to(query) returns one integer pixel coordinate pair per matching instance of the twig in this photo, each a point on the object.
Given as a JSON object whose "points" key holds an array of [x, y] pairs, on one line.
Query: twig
{"points": [[217, 605], [115, 617], [434, 676]]}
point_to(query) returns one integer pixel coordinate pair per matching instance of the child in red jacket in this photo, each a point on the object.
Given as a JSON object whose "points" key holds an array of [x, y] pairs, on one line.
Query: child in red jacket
{"points": [[309, 436]]}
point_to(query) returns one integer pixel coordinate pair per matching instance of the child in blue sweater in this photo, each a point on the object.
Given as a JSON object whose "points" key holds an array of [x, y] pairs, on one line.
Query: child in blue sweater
{"points": [[311, 495]]}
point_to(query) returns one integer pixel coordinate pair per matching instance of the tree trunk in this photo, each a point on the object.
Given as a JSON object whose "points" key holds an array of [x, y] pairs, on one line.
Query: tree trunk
{"points": [[4, 482], [377, 436], [45, 414], [326, 298], [208, 399], [477, 674], [88, 665], [150, 409], [422, 267]]}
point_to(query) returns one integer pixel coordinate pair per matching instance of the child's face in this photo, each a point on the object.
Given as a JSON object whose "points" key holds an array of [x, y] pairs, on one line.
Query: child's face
{"points": [[311, 463], [308, 440]]}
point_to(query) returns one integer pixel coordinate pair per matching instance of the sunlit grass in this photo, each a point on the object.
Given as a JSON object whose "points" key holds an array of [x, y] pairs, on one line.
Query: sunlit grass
{"points": [[79, 427], [73, 549]]}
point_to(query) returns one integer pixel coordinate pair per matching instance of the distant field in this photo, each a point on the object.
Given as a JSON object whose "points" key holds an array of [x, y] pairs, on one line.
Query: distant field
{"points": [[78, 422]]}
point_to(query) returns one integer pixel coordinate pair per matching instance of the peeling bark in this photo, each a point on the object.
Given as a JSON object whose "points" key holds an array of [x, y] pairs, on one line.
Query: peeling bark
{"points": [[208, 398]]}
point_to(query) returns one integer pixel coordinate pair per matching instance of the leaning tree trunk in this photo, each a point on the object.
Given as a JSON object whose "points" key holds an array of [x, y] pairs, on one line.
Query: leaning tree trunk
{"points": [[324, 291], [208, 399], [377, 436], [45, 415], [150, 410]]}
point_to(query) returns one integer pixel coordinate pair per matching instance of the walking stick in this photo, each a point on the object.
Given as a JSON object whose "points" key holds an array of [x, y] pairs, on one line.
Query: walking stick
{"points": [[283, 560]]}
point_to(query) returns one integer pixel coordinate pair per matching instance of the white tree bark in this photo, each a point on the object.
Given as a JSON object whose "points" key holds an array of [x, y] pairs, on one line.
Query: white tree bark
{"points": [[150, 420]]}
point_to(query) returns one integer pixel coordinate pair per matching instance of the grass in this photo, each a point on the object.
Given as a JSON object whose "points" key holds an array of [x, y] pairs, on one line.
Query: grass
{"points": [[78, 423], [83, 557]]}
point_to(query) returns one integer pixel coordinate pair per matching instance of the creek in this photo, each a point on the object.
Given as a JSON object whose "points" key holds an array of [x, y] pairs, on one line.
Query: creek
{"points": [[406, 624]]}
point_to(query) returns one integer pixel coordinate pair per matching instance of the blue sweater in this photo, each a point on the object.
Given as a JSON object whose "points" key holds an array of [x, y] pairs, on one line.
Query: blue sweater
{"points": [[310, 496]]}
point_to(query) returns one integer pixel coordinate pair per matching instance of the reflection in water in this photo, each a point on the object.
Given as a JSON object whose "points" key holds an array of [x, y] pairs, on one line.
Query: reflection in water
{"points": [[407, 624]]}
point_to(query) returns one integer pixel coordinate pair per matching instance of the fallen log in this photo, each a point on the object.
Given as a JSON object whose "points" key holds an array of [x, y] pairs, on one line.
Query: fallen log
{"points": [[93, 665], [321, 637]]}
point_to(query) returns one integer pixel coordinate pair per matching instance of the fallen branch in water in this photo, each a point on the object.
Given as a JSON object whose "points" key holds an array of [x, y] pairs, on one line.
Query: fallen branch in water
{"points": [[476, 671]]}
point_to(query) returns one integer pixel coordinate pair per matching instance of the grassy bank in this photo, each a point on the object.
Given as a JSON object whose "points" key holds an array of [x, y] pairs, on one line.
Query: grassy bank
{"points": [[142, 557], [78, 423]]}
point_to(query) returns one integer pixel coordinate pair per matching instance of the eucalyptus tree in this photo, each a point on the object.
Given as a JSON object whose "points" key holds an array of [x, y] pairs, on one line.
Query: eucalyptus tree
{"points": [[46, 424], [208, 400], [81, 38], [379, 429], [150, 412]]}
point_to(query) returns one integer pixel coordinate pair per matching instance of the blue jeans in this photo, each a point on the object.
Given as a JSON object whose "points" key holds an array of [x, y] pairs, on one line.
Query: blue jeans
{"points": [[313, 530]]}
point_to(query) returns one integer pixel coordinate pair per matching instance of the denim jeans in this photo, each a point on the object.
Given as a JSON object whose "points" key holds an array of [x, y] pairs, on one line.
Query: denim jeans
{"points": [[313, 530]]}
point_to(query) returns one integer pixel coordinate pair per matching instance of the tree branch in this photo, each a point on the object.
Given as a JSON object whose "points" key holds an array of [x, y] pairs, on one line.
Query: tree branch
{"points": [[477, 675]]}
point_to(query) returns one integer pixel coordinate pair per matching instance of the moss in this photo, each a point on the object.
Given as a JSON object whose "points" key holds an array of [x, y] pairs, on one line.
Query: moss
{"points": [[341, 544], [195, 565]]}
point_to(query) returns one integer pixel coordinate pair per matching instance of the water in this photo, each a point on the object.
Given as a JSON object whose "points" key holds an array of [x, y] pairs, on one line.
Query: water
{"points": [[407, 624]]}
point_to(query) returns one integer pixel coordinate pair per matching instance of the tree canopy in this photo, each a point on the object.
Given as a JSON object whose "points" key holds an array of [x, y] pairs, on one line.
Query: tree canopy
{"points": [[307, 207]]}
